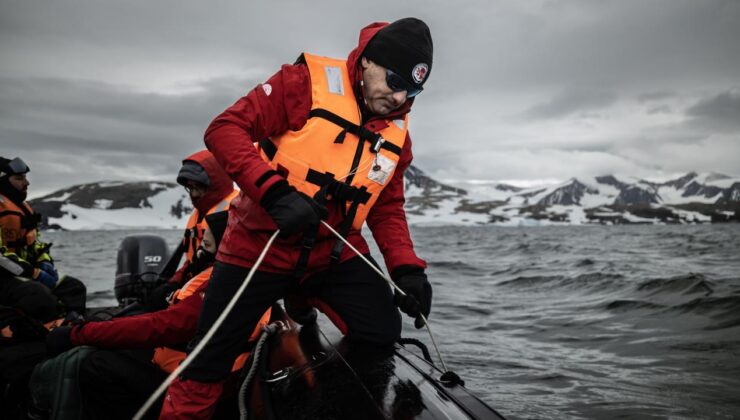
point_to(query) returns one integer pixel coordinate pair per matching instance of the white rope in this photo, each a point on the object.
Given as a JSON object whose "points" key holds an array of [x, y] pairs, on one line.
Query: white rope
{"points": [[393, 285], [148, 404]]}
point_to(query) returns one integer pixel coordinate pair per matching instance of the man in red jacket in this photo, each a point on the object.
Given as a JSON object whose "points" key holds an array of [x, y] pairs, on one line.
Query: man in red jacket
{"points": [[332, 143]]}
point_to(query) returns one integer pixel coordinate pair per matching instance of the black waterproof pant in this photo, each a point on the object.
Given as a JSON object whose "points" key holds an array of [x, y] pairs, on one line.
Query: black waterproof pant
{"points": [[31, 297], [356, 294], [115, 383]]}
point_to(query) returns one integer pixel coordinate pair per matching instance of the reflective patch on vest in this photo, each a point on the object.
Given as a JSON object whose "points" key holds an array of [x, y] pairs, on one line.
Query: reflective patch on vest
{"points": [[381, 169], [334, 79], [399, 123]]}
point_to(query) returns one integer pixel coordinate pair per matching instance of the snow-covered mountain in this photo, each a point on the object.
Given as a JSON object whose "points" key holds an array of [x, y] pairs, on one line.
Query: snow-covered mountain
{"points": [[115, 205], [608, 199]]}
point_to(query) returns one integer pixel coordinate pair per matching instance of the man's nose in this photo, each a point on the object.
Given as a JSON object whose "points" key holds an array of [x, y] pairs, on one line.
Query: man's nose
{"points": [[399, 97]]}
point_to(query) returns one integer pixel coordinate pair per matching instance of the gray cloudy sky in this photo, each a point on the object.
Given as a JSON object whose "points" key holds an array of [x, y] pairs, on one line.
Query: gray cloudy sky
{"points": [[521, 90]]}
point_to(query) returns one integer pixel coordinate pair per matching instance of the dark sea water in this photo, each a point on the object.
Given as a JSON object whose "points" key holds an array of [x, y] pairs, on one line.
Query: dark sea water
{"points": [[560, 322]]}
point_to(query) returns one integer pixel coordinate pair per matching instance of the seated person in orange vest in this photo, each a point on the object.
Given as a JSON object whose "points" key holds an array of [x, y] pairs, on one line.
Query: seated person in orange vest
{"points": [[115, 383], [18, 223], [211, 190], [22, 256]]}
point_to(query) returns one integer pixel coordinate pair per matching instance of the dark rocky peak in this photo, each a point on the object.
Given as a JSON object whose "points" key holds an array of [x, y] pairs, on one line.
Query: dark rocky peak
{"points": [[568, 194], [610, 180], [416, 177], [696, 189], [508, 188], [682, 181], [641, 193], [530, 194], [731, 196], [635, 195], [116, 195]]}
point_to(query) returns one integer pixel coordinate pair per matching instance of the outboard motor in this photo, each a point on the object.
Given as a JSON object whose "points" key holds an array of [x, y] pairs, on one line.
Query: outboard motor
{"points": [[140, 260]]}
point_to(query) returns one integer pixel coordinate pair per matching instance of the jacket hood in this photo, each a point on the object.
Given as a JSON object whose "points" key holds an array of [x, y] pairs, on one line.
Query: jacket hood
{"points": [[355, 72], [220, 183]]}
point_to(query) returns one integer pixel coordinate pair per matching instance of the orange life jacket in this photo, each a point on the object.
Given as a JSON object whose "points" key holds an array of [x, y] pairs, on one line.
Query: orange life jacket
{"points": [[18, 225], [332, 156], [168, 359], [197, 225]]}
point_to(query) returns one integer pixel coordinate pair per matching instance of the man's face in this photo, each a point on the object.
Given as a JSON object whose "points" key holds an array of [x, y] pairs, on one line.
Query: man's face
{"points": [[19, 182], [196, 190], [380, 99]]}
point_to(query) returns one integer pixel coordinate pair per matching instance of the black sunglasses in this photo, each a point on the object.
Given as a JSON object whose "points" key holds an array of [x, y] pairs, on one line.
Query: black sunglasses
{"points": [[398, 84], [192, 187]]}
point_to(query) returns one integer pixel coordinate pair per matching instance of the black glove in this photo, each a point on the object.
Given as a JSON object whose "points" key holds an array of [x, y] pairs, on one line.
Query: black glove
{"points": [[292, 211], [418, 299], [58, 340], [157, 298]]}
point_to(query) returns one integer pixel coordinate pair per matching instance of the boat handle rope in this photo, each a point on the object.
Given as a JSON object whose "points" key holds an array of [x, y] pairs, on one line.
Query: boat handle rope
{"points": [[395, 287], [206, 338]]}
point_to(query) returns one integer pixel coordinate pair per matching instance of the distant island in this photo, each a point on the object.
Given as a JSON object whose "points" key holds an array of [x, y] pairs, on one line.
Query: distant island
{"points": [[608, 199]]}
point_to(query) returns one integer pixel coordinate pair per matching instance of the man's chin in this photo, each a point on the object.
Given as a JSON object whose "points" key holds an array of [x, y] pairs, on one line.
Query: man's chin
{"points": [[381, 110]]}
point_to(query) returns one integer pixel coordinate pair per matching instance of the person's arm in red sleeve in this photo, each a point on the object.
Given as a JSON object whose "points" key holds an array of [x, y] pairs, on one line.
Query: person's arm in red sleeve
{"points": [[174, 325], [387, 219], [178, 279], [274, 107]]}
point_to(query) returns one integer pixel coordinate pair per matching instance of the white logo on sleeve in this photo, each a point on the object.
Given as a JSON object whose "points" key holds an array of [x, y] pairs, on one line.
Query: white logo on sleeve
{"points": [[267, 88]]}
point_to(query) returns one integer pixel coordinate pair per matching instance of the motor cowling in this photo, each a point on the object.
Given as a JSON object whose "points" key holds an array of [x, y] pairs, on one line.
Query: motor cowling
{"points": [[141, 258]]}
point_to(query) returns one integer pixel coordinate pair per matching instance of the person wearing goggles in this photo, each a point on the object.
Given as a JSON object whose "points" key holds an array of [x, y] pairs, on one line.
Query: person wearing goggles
{"points": [[23, 256], [210, 191], [323, 139], [19, 223]]}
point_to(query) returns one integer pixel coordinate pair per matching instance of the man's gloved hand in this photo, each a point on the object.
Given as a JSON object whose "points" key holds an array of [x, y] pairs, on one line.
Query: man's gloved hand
{"points": [[59, 340], [418, 299], [157, 298], [292, 211]]}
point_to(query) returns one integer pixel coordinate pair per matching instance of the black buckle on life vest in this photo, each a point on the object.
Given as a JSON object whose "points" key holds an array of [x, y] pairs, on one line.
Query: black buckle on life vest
{"points": [[336, 189]]}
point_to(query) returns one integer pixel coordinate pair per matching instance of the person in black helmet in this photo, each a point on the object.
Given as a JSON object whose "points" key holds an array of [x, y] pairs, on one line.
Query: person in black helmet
{"points": [[19, 238], [27, 272]]}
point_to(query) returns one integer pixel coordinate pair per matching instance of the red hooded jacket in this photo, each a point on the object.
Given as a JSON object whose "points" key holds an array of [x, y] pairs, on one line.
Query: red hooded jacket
{"points": [[283, 103], [220, 183], [219, 188]]}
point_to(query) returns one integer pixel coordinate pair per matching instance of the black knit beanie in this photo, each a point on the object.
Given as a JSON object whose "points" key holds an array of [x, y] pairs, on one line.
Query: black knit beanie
{"points": [[405, 47], [217, 224]]}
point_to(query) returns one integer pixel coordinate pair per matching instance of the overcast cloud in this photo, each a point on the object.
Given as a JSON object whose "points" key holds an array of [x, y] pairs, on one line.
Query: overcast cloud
{"points": [[525, 90]]}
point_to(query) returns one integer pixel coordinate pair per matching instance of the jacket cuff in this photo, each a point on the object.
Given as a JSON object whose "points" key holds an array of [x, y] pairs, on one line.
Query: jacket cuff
{"points": [[275, 192], [403, 270]]}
